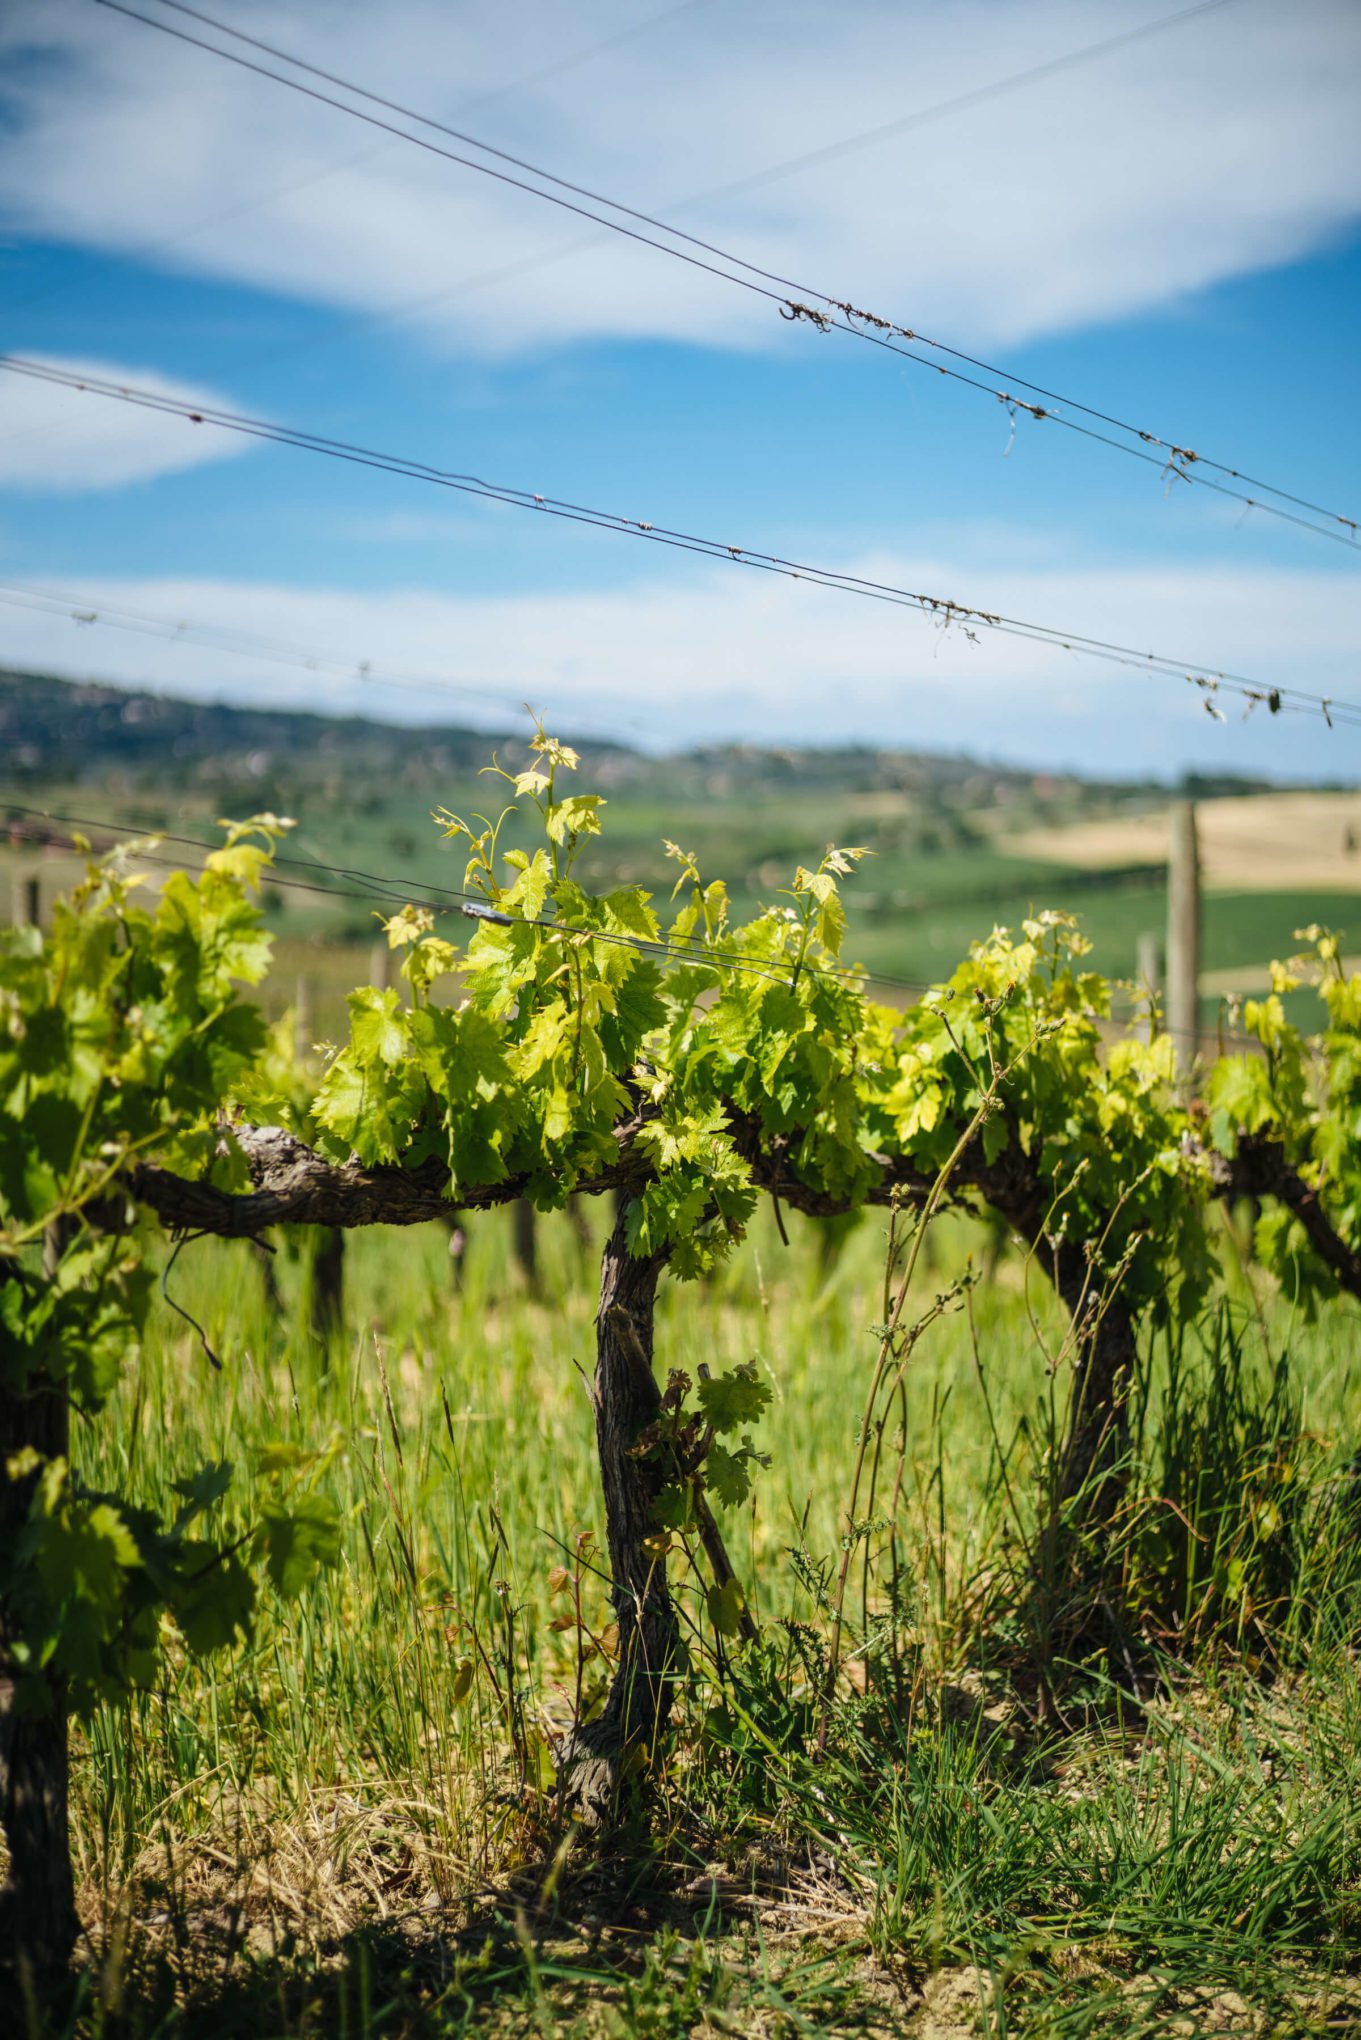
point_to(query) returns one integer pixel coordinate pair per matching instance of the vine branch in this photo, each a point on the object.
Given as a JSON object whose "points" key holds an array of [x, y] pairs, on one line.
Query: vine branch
{"points": [[293, 1185]]}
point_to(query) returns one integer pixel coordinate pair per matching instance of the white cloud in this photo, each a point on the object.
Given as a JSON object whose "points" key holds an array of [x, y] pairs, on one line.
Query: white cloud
{"points": [[695, 656], [60, 441], [1218, 147]]}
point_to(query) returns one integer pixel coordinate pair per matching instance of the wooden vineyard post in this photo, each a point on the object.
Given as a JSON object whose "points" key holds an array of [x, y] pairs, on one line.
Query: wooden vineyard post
{"points": [[302, 1020], [326, 1262], [526, 1241], [27, 900], [452, 1221], [1183, 933], [326, 1290], [1148, 973]]}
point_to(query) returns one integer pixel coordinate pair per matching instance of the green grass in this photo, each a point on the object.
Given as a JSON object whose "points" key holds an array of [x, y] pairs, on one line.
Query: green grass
{"points": [[324, 1832], [348, 1825]]}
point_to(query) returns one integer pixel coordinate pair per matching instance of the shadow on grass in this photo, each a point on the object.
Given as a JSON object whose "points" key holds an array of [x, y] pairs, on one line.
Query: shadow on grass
{"points": [[626, 1943]]}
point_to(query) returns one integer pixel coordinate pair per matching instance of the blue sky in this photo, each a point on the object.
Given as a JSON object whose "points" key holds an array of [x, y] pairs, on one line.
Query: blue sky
{"points": [[1172, 231]]}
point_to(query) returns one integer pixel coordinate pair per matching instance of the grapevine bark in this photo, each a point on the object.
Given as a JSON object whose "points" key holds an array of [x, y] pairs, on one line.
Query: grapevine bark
{"points": [[627, 1400], [1105, 1356], [37, 1904]]}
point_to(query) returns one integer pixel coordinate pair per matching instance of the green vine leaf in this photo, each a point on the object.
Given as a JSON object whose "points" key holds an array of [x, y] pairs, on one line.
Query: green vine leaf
{"points": [[296, 1539], [726, 1475], [735, 1398]]}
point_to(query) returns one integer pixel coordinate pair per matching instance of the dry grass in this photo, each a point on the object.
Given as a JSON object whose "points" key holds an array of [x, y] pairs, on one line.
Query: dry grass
{"points": [[1268, 842]]}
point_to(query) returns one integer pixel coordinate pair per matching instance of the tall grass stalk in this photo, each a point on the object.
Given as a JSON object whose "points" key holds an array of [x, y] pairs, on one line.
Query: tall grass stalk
{"points": [[339, 1813]]}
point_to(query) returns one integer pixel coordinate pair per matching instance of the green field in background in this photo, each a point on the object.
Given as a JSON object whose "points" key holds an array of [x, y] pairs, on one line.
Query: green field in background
{"points": [[912, 911]]}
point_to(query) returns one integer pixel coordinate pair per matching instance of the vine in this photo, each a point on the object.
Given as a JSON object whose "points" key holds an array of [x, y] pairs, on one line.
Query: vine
{"points": [[122, 1032], [579, 1041]]}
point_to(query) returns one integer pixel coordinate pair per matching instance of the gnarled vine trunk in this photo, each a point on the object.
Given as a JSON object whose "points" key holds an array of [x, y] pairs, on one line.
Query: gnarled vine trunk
{"points": [[1073, 1606], [1096, 1443], [627, 1400], [1089, 1477], [37, 1904]]}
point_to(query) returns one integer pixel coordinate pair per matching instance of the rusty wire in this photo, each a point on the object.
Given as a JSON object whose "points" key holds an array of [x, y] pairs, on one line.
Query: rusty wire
{"points": [[794, 301], [1276, 697]]}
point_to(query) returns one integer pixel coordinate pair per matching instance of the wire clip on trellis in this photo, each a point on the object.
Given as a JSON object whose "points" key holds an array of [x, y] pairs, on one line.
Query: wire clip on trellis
{"points": [[945, 610], [826, 310]]}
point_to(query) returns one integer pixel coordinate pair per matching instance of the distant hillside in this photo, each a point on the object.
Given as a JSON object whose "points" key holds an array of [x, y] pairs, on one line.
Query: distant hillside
{"points": [[66, 732], [958, 843]]}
